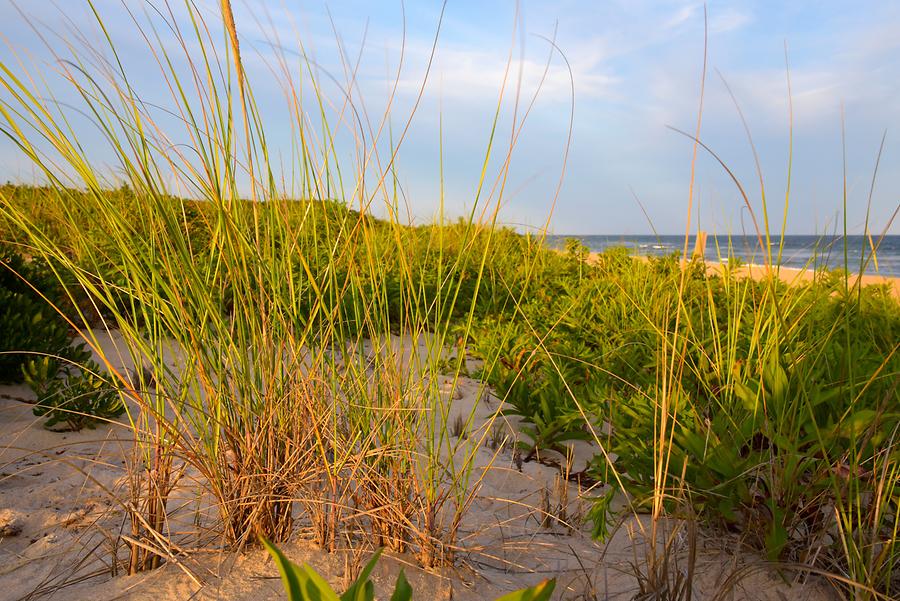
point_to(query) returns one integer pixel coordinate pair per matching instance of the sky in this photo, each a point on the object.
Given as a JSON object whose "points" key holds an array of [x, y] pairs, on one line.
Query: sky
{"points": [[597, 153]]}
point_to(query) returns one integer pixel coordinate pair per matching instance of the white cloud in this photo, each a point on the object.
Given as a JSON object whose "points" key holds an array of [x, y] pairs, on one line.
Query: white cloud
{"points": [[721, 20], [681, 16], [475, 75], [728, 20]]}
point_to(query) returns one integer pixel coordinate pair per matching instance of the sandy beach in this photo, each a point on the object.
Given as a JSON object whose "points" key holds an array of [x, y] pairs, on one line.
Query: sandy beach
{"points": [[790, 275]]}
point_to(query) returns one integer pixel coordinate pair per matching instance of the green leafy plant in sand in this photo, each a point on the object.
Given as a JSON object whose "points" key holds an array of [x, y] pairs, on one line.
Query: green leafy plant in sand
{"points": [[302, 583], [80, 398], [784, 406], [28, 324]]}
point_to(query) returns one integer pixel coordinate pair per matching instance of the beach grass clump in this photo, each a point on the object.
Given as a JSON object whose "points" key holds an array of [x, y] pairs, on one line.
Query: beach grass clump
{"points": [[293, 341]]}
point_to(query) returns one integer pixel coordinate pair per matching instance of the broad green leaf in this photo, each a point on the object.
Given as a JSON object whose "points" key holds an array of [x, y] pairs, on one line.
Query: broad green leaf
{"points": [[857, 423], [777, 536], [291, 574], [402, 590], [301, 583], [315, 587], [747, 395], [539, 592], [357, 590]]}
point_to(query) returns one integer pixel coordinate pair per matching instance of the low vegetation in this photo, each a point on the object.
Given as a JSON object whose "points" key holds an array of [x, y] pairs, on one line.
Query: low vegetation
{"points": [[75, 395], [31, 325], [784, 414]]}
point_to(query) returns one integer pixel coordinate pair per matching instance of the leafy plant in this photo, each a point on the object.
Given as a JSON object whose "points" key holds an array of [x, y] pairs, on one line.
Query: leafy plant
{"points": [[28, 325], [80, 398], [302, 583]]}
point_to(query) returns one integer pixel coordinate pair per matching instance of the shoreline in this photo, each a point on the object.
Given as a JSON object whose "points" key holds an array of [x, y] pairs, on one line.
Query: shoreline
{"points": [[788, 275], [794, 275]]}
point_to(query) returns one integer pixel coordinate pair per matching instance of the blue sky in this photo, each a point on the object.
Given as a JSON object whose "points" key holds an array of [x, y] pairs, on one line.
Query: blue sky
{"points": [[636, 67]]}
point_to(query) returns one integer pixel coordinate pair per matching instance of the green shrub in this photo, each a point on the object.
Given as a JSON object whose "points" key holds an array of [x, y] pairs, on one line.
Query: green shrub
{"points": [[782, 387], [28, 325], [80, 398]]}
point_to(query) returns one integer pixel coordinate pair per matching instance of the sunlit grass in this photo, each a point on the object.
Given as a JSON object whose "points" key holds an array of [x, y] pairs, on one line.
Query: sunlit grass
{"points": [[295, 344]]}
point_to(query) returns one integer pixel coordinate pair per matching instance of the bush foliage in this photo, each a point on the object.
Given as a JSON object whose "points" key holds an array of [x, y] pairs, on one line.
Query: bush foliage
{"points": [[29, 325], [75, 395]]}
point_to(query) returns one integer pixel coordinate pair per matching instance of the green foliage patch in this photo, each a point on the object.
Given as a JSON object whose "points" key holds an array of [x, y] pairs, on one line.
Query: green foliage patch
{"points": [[28, 324], [75, 395]]}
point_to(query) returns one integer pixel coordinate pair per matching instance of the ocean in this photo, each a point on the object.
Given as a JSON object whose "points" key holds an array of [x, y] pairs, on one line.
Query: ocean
{"points": [[799, 251]]}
